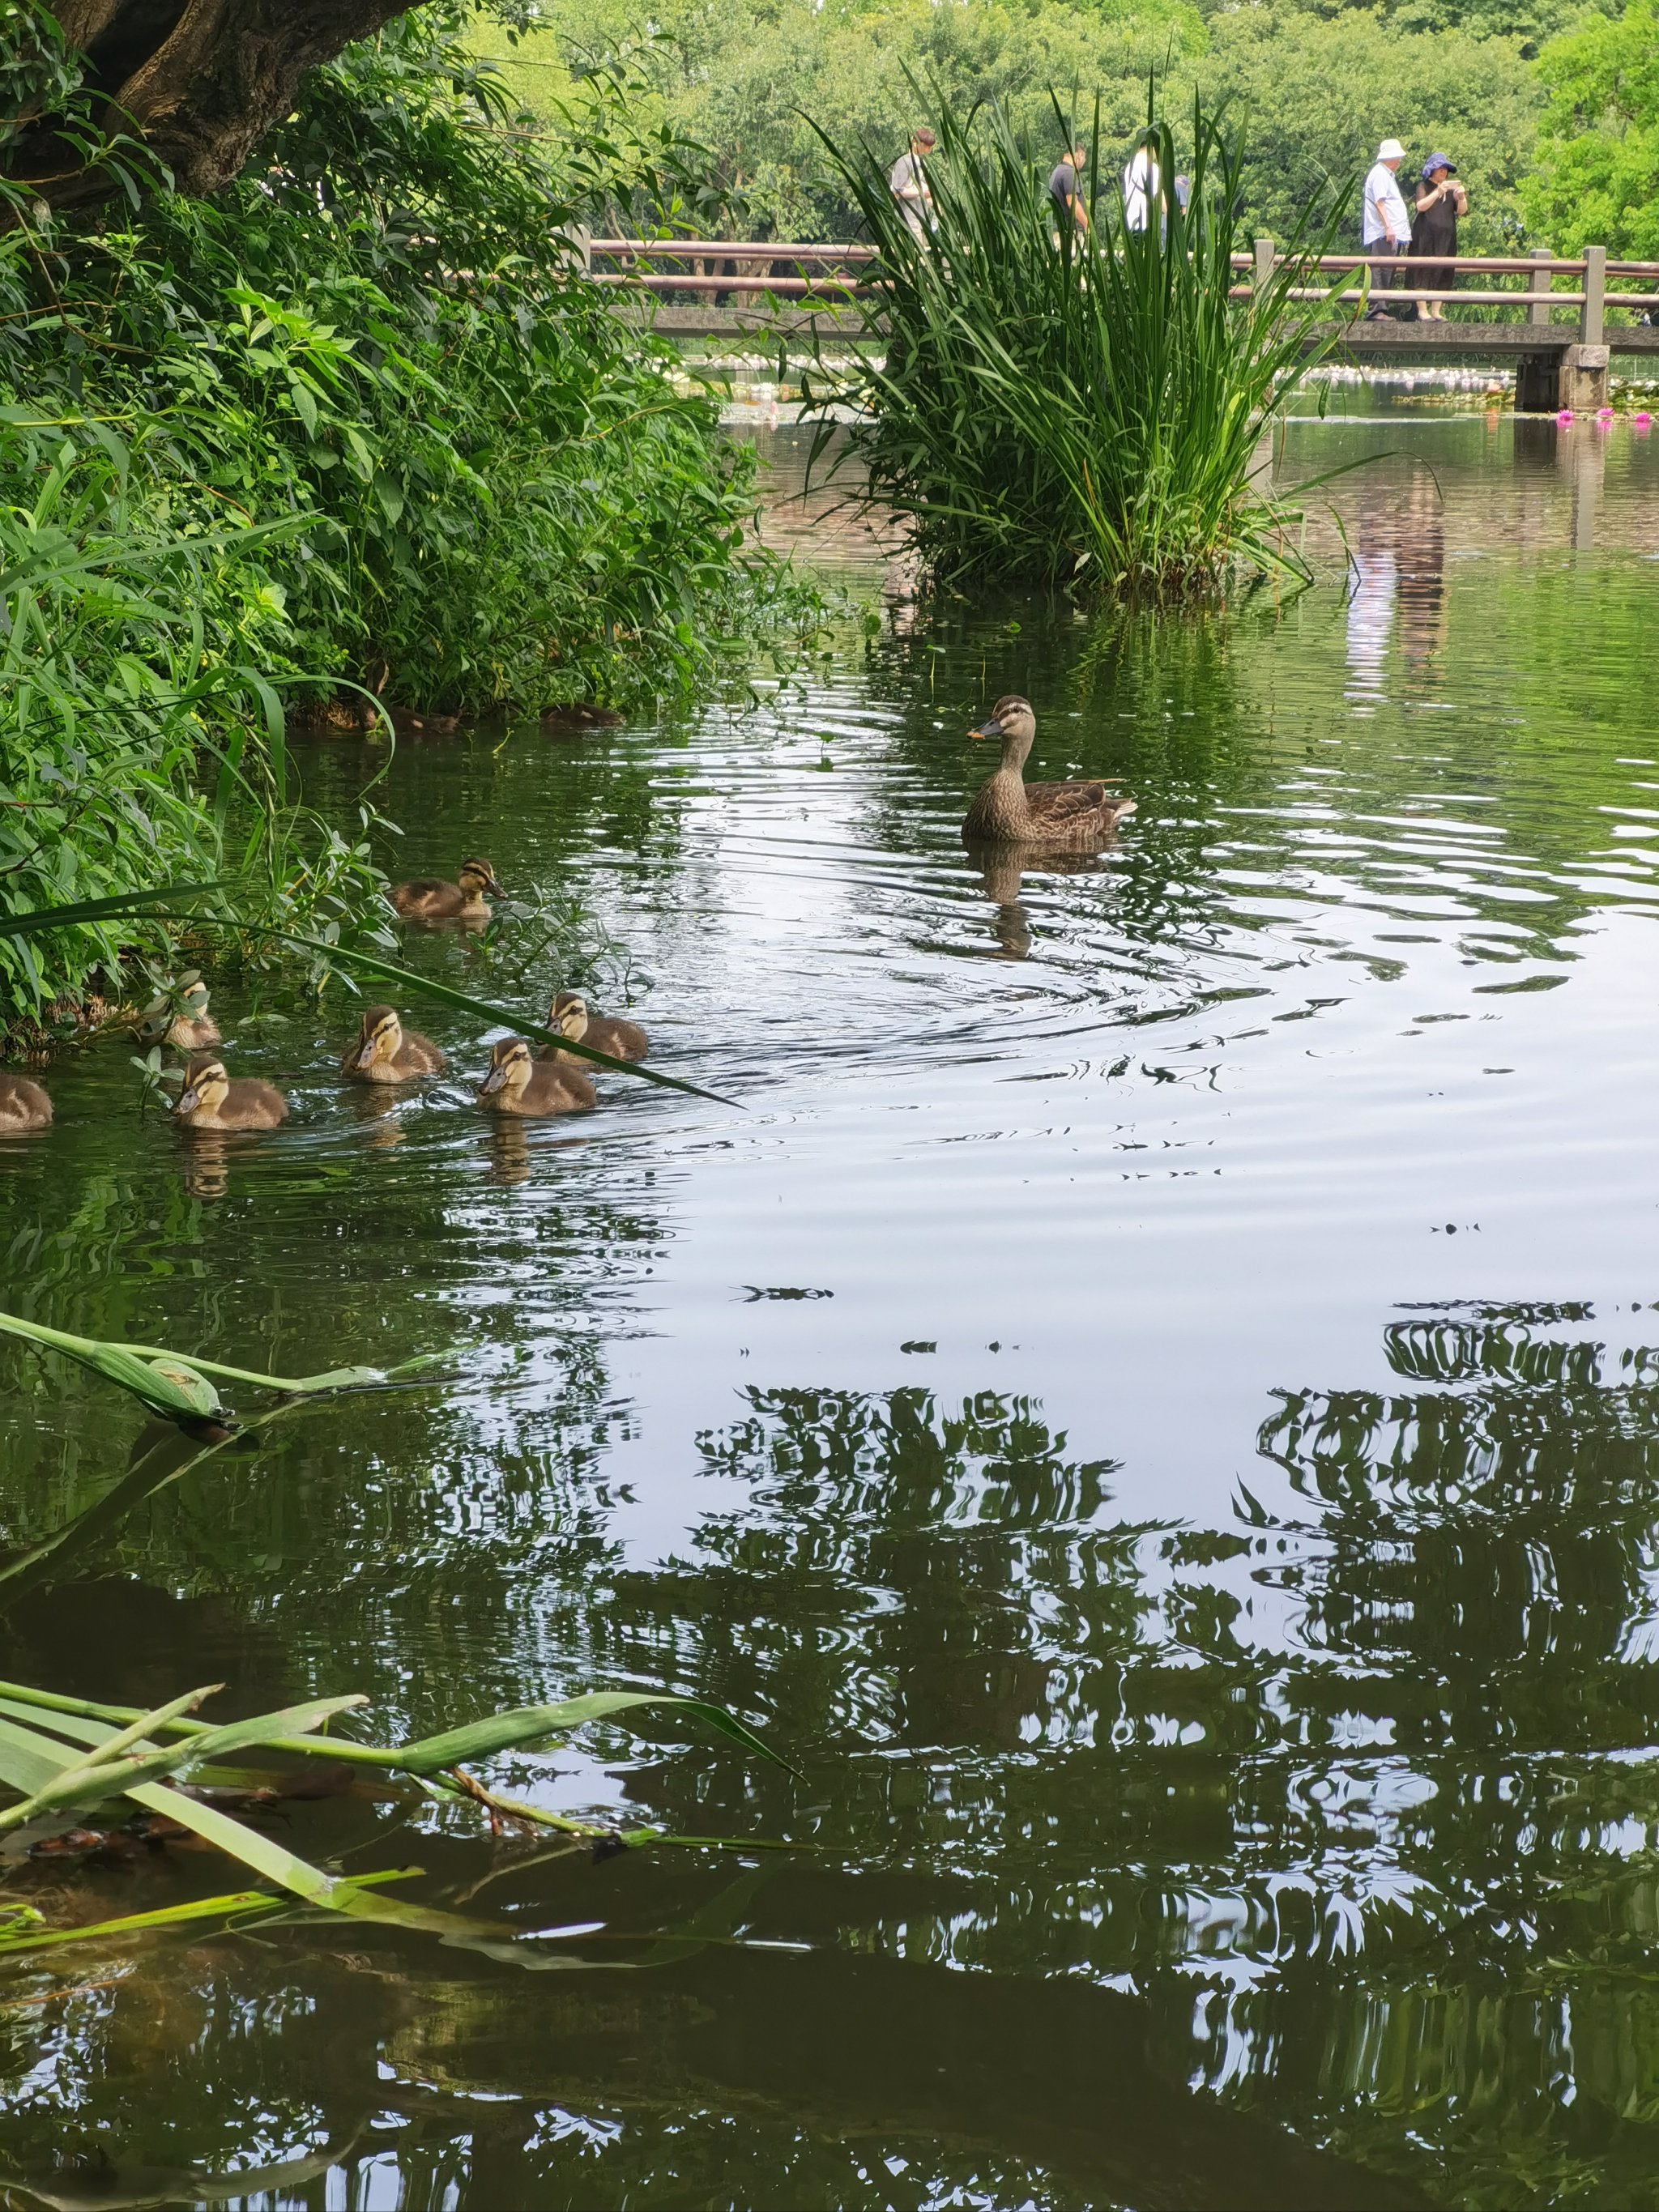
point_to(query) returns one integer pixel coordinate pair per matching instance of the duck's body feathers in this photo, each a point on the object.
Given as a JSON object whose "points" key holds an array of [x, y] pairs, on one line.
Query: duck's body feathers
{"points": [[1008, 811], [210, 1100], [429, 898], [516, 1084], [569, 1014], [386, 1052], [23, 1105]]}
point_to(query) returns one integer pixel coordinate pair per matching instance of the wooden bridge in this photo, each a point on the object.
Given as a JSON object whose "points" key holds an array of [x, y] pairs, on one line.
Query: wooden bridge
{"points": [[767, 291]]}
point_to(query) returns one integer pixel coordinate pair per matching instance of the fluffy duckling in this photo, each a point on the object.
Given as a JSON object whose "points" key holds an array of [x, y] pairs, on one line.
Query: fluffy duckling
{"points": [[429, 899], [184, 1023], [516, 1084], [569, 1014], [210, 1100], [386, 1052], [1011, 811], [23, 1105]]}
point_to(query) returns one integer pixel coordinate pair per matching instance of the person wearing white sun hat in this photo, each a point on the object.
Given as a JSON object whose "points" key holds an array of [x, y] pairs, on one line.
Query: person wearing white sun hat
{"points": [[1385, 221]]}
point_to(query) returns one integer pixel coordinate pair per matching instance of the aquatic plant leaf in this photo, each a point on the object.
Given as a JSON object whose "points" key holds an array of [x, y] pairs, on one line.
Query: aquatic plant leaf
{"points": [[73, 917], [534, 1723], [32, 1761], [81, 1718], [114, 1770], [177, 1386], [231, 1904]]}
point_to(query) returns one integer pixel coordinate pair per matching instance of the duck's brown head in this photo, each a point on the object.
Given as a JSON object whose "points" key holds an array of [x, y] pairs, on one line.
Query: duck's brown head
{"points": [[568, 1015], [381, 1035], [509, 1067], [206, 1084], [1012, 717], [478, 879]]}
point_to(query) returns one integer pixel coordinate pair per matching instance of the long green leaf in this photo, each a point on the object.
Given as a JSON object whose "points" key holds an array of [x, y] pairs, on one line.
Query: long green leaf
{"points": [[113, 1772], [233, 1904], [526, 1724], [102, 909]]}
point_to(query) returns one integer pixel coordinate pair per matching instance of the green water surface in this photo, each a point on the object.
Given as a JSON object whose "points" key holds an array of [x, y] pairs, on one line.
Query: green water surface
{"points": [[1149, 1395]]}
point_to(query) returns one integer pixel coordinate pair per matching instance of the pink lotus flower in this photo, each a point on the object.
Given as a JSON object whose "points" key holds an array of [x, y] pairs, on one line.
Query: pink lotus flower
{"points": [[1564, 417], [1643, 420]]}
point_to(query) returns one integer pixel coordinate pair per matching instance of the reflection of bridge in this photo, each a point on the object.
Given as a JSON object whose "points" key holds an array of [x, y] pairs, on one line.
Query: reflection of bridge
{"points": [[732, 288]]}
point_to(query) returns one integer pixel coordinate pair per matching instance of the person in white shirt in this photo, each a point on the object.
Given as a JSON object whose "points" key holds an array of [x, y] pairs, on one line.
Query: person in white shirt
{"points": [[1384, 223], [1142, 185], [907, 182]]}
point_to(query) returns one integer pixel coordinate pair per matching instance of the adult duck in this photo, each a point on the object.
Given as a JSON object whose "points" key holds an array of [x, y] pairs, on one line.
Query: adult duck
{"points": [[516, 1084], [428, 898], [386, 1052], [210, 1100], [1011, 811], [23, 1105]]}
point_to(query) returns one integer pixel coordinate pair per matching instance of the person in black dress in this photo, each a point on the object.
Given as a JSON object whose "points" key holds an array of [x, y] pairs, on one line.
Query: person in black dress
{"points": [[1440, 200]]}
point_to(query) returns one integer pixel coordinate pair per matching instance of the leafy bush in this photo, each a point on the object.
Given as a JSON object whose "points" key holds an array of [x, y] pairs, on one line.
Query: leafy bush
{"points": [[353, 422], [1070, 405], [136, 723]]}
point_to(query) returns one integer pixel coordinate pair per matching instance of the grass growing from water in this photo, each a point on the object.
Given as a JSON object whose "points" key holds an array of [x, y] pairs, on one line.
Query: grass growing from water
{"points": [[1085, 406]]}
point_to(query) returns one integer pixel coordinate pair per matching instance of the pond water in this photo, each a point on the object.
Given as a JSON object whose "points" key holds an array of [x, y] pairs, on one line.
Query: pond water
{"points": [[1148, 1395]]}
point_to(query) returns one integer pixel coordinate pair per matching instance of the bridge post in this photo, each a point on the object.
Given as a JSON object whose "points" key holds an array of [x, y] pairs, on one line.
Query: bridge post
{"points": [[1584, 367], [1593, 320], [1539, 309], [1262, 275]]}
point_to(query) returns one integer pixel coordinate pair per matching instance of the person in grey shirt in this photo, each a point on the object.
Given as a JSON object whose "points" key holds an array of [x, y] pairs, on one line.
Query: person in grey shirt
{"points": [[907, 182], [1065, 189]]}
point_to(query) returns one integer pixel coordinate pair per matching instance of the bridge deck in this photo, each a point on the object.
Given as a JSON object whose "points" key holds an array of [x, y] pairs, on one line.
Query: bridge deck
{"points": [[1501, 343]]}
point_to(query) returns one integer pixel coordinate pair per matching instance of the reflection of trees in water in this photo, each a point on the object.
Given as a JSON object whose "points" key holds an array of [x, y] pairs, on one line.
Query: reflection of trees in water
{"points": [[1473, 1688], [1383, 1862]]}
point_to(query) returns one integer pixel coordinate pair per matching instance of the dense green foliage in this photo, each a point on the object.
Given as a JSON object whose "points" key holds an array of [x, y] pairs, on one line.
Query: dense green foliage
{"points": [[1082, 405], [1597, 180], [352, 421], [1320, 84]]}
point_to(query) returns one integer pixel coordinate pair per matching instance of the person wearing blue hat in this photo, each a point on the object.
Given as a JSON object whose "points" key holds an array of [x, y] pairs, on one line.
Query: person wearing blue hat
{"points": [[1440, 200]]}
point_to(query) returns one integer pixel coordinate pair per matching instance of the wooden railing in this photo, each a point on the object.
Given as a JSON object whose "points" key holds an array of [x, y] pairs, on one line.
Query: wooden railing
{"points": [[634, 263]]}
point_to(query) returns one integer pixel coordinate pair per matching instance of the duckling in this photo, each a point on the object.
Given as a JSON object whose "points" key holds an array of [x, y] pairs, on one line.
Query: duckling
{"points": [[429, 899], [184, 1023], [386, 1052], [210, 1100], [569, 1014], [516, 1084], [23, 1105], [1011, 811]]}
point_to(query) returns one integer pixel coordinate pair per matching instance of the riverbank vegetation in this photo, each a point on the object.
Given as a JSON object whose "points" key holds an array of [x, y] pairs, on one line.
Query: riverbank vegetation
{"points": [[1080, 407], [348, 431]]}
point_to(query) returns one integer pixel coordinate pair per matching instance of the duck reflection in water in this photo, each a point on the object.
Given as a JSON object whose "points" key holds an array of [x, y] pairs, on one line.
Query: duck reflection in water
{"points": [[379, 1112], [1001, 871], [207, 1165], [511, 1153]]}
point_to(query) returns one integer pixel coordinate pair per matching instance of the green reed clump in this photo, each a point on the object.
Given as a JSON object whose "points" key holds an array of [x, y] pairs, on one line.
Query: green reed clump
{"points": [[1055, 404]]}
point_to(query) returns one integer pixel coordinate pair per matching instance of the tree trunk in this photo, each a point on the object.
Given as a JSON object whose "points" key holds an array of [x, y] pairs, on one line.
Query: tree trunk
{"points": [[200, 81]]}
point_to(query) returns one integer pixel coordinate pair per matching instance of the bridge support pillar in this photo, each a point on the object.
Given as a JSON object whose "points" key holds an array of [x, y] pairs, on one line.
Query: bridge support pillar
{"points": [[1538, 383], [1584, 378]]}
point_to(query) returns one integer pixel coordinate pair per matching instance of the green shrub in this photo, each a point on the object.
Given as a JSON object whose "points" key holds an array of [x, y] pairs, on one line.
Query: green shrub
{"points": [[354, 421]]}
